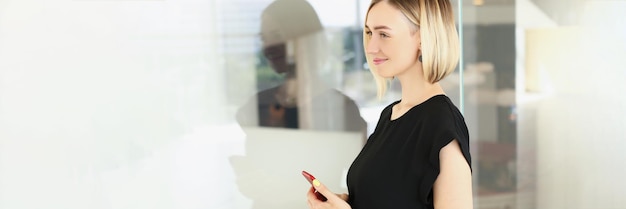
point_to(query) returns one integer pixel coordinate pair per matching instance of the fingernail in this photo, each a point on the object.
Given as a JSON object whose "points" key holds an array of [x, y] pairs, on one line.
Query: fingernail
{"points": [[316, 183]]}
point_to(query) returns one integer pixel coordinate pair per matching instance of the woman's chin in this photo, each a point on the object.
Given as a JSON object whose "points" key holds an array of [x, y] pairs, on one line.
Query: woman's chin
{"points": [[385, 75]]}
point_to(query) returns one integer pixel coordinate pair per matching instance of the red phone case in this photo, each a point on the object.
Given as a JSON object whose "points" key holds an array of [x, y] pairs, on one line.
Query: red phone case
{"points": [[310, 178]]}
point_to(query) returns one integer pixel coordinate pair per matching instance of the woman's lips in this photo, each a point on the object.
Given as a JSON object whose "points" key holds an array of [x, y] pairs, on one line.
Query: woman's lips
{"points": [[378, 61]]}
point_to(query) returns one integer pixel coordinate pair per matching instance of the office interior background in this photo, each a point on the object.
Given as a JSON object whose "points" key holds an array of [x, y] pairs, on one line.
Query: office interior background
{"points": [[132, 104]]}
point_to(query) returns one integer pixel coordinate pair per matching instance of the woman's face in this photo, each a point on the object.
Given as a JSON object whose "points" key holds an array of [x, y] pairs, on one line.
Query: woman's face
{"points": [[393, 47], [276, 54]]}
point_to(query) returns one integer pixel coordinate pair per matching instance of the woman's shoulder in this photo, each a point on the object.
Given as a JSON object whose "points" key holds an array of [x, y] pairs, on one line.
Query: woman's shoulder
{"points": [[445, 116], [438, 114], [441, 106]]}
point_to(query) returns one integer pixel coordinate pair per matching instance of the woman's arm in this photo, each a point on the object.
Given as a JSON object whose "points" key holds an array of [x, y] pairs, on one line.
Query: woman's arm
{"points": [[453, 187]]}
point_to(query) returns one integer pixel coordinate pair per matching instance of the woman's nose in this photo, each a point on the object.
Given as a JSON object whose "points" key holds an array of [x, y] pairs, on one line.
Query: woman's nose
{"points": [[372, 47]]}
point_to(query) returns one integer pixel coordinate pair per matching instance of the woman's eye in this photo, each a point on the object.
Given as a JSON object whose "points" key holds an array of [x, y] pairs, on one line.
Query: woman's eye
{"points": [[382, 35]]}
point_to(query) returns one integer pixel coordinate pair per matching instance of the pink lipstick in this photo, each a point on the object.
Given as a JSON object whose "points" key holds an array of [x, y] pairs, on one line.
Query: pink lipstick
{"points": [[378, 61]]}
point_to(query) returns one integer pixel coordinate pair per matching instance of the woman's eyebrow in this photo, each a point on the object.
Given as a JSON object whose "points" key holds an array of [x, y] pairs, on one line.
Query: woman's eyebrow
{"points": [[379, 27]]}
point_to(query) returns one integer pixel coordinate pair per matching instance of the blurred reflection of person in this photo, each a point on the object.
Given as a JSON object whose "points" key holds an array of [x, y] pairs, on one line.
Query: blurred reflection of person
{"points": [[294, 43], [295, 46]]}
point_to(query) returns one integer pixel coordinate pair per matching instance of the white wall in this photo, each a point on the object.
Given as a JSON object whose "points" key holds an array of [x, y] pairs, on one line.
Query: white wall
{"points": [[108, 104]]}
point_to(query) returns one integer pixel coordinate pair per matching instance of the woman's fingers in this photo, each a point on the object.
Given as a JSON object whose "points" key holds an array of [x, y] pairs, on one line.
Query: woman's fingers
{"points": [[334, 201], [308, 198], [322, 189], [310, 195]]}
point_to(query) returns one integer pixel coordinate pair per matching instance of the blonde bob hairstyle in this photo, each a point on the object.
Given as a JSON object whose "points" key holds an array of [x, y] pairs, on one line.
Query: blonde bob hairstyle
{"points": [[434, 20]]}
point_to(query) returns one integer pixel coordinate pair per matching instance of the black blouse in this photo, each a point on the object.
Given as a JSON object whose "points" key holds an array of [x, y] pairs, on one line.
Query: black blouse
{"points": [[400, 161]]}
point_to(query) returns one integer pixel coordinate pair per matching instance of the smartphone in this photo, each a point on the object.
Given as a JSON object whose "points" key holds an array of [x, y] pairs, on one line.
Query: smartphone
{"points": [[310, 178]]}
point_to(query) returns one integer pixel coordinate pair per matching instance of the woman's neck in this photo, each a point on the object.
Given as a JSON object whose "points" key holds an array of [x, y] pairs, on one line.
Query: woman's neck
{"points": [[416, 91]]}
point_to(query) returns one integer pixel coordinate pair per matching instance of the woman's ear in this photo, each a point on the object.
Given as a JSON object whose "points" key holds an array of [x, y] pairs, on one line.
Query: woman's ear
{"points": [[419, 41]]}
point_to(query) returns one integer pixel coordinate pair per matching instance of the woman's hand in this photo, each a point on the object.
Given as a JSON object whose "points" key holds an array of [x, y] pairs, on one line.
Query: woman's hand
{"points": [[334, 201]]}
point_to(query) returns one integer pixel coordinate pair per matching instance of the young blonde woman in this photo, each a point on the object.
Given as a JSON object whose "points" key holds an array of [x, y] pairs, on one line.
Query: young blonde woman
{"points": [[418, 155]]}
